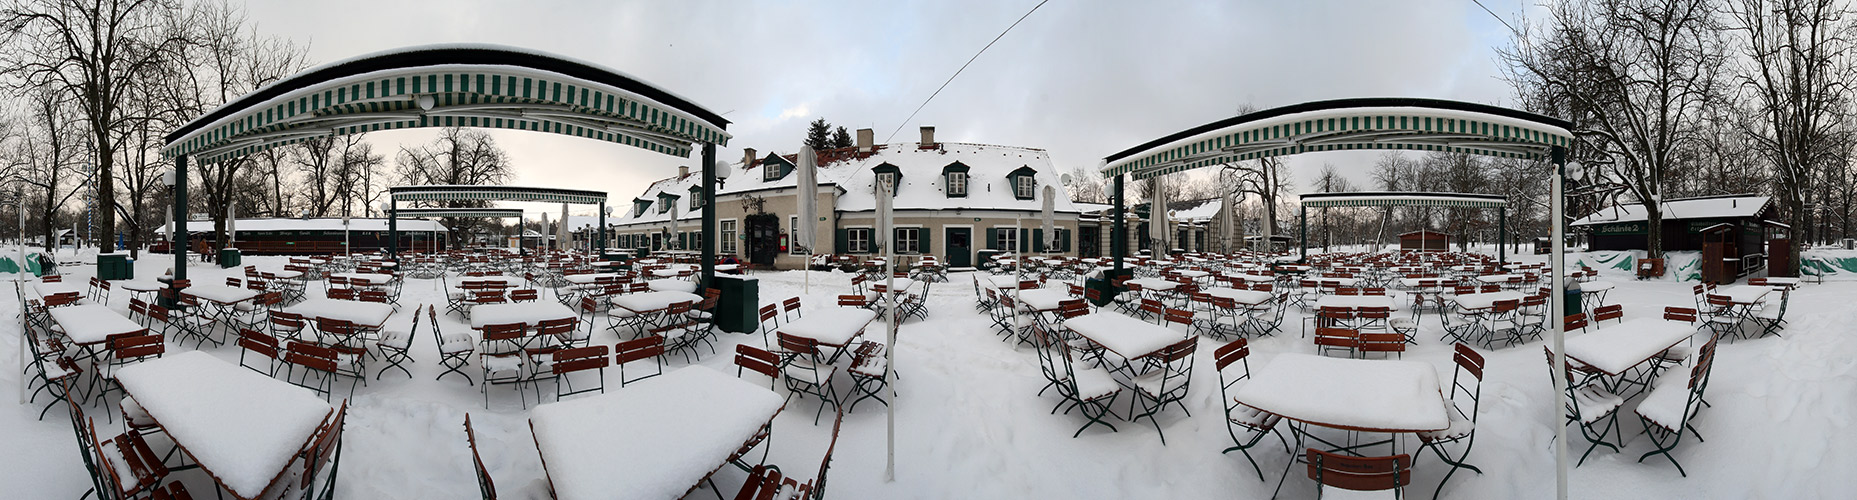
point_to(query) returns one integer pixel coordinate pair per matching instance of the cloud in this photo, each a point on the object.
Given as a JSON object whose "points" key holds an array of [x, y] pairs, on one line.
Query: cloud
{"points": [[794, 112]]}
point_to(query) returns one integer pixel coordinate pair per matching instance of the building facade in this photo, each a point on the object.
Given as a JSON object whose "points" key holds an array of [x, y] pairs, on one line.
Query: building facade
{"points": [[953, 200]]}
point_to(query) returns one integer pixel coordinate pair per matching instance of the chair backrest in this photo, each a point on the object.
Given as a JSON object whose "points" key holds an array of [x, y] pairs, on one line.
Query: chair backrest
{"points": [[579, 358], [1359, 473], [1684, 314], [518, 295], [484, 484], [377, 296], [1573, 321], [1614, 312], [756, 359], [797, 345], [310, 356], [136, 344], [332, 326], [637, 349], [768, 312], [1235, 351], [1337, 337], [504, 331], [851, 301], [1381, 342], [259, 342], [791, 304], [1179, 316], [341, 293], [324, 447], [556, 326]]}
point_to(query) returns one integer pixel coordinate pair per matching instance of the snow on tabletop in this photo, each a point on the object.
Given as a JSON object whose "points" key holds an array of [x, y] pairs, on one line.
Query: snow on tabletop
{"points": [[1497, 278], [901, 283], [1251, 297], [672, 285], [92, 323], [1486, 300], [582, 279], [1597, 286], [141, 285], [45, 289], [832, 325], [1129, 337], [1043, 299], [528, 313], [220, 293], [1002, 281], [1354, 301], [1366, 394], [1614, 349], [650, 440], [360, 313], [652, 301], [1745, 294], [365, 278], [1336, 281], [242, 426], [1154, 283]]}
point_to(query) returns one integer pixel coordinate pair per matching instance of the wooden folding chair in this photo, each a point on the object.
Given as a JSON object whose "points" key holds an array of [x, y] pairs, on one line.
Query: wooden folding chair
{"points": [[807, 372], [266, 346], [395, 346], [1337, 339], [1467, 378], [1251, 422], [314, 359], [1346, 472], [454, 350], [757, 360], [566, 362], [628, 352], [484, 485]]}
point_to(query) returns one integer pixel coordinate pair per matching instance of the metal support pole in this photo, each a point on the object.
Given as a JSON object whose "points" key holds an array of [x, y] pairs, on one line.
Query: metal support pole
{"points": [[180, 221], [1557, 315], [1302, 214], [709, 215], [393, 228], [1118, 232], [1502, 235], [600, 248]]}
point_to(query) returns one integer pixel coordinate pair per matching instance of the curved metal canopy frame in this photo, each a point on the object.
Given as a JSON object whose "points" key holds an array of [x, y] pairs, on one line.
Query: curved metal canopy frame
{"points": [[1366, 124], [1407, 199], [464, 85], [442, 193]]}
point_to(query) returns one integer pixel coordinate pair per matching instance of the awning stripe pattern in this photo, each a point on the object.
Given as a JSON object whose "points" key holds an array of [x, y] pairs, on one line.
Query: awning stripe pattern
{"points": [[1391, 199], [458, 212], [1353, 124], [459, 94], [495, 193]]}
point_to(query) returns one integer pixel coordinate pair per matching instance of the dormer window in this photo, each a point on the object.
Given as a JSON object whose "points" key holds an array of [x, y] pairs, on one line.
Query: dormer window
{"points": [[1024, 183], [696, 198], [888, 175], [774, 168], [666, 201], [639, 206], [954, 180]]}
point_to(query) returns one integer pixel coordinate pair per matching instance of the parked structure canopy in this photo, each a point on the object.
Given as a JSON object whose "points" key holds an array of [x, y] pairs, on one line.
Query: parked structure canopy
{"points": [[446, 193], [1408, 199]]}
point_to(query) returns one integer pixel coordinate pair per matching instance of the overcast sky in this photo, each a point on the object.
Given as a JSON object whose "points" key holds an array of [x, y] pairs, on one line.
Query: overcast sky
{"points": [[1080, 78]]}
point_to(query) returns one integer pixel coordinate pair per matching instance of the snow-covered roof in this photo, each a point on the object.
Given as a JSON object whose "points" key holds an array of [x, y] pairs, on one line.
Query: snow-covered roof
{"points": [[1193, 210], [1694, 208], [323, 224], [988, 187]]}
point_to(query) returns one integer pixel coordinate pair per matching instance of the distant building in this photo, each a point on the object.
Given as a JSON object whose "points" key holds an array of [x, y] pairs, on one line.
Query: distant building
{"points": [[1624, 227], [320, 236], [1425, 240], [953, 200]]}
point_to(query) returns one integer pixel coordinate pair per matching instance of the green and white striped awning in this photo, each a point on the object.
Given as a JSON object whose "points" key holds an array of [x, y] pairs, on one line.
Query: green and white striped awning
{"points": [[1348, 124], [495, 193], [458, 212], [1399, 199], [446, 86]]}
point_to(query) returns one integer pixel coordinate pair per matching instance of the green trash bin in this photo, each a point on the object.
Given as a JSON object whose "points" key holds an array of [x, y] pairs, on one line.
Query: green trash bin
{"points": [[1106, 283], [228, 257], [114, 266], [735, 308], [1572, 299]]}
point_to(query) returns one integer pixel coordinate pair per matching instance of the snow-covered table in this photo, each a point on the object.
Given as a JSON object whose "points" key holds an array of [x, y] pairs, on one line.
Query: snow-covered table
{"points": [[141, 286], [1002, 281], [1745, 294], [669, 442], [1486, 300], [1257, 278], [672, 285], [242, 427], [92, 323], [1335, 282], [1355, 301], [507, 281], [1042, 299], [46, 289], [1619, 347], [1128, 337], [653, 301], [1156, 284], [1785, 282], [1497, 278], [369, 315], [1246, 297], [527, 313], [220, 294], [589, 278], [1377, 395], [902, 284], [831, 326], [364, 279]]}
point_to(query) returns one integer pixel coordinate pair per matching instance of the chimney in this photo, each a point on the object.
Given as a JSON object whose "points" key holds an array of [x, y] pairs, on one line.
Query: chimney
{"points": [[864, 140], [928, 137], [683, 171]]}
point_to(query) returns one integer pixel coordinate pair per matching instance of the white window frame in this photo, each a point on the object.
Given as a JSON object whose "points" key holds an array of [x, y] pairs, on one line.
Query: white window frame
{"points": [[1006, 239], [664, 204], [1026, 187], [852, 242], [771, 172], [726, 229], [887, 178], [957, 183], [911, 244]]}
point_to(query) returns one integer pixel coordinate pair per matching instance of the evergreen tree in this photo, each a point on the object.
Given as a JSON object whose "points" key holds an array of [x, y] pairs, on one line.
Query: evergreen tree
{"points": [[841, 138], [819, 135]]}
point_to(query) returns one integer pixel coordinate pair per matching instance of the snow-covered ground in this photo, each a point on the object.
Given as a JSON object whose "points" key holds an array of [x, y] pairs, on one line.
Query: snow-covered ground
{"points": [[971, 425]]}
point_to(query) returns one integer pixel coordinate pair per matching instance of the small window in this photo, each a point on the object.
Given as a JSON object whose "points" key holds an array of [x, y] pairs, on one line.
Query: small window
{"points": [[957, 183], [727, 243], [770, 172], [793, 235], [1006, 239], [857, 240], [664, 205], [888, 180], [1026, 187], [909, 240]]}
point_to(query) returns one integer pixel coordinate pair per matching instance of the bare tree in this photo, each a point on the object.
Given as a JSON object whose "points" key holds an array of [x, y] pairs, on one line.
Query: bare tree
{"points": [[459, 156], [93, 51], [48, 154], [1798, 55], [1633, 76], [1086, 186]]}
